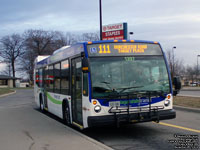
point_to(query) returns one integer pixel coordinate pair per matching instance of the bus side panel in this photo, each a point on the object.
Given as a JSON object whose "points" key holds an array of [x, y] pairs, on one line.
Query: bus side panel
{"points": [[55, 103], [86, 106], [36, 91]]}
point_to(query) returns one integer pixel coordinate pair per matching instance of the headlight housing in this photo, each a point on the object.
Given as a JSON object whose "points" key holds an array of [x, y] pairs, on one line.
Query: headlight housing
{"points": [[167, 103], [97, 109]]}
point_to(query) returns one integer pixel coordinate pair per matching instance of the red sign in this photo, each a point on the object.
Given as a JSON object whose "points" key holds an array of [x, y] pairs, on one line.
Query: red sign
{"points": [[113, 27], [113, 35], [113, 32]]}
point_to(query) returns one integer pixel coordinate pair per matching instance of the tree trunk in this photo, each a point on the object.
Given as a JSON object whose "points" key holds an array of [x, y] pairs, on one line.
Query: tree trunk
{"points": [[13, 70]]}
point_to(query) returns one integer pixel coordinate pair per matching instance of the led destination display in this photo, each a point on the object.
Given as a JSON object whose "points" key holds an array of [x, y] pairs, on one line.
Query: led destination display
{"points": [[114, 49]]}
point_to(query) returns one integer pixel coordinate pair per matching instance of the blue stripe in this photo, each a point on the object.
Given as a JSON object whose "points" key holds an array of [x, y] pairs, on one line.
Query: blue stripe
{"points": [[132, 102], [90, 85], [85, 49]]}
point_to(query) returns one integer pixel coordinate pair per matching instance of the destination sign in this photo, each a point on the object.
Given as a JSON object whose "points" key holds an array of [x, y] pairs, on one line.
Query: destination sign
{"points": [[116, 49]]}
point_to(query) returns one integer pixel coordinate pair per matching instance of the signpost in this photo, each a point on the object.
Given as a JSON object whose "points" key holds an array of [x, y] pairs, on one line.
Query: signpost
{"points": [[114, 31]]}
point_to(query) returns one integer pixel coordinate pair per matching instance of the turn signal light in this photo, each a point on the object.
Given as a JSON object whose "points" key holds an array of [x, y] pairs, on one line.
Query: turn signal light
{"points": [[94, 102], [85, 68], [168, 96]]}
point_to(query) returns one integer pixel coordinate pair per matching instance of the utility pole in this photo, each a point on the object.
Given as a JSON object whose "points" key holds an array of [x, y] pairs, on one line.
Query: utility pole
{"points": [[197, 71], [100, 13]]}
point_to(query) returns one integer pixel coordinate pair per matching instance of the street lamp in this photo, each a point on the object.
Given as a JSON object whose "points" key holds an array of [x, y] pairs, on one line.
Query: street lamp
{"points": [[173, 60], [197, 68], [130, 33]]}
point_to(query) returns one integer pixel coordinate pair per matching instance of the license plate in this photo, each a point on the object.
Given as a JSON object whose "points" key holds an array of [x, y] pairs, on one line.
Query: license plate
{"points": [[114, 104]]}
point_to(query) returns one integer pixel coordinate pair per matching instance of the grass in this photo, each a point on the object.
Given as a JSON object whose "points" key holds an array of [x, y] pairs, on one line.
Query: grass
{"points": [[185, 101], [5, 91]]}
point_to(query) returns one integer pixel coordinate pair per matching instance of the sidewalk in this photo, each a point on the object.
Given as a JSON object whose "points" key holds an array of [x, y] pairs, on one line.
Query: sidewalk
{"points": [[81, 141]]}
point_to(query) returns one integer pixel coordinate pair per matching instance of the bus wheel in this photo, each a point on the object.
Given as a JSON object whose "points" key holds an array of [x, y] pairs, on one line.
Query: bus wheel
{"points": [[41, 106], [66, 115]]}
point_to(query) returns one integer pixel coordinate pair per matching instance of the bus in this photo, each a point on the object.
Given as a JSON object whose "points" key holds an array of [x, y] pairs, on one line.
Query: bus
{"points": [[104, 83]]}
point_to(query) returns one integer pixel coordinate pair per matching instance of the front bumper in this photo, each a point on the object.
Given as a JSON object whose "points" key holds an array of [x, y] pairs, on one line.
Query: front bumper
{"points": [[94, 121]]}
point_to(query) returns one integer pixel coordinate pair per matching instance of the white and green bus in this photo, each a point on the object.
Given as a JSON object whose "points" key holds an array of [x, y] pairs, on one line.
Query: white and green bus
{"points": [[105, 83]]}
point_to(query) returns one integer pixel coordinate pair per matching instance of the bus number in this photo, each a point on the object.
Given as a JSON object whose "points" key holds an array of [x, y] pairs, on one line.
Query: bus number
{"points": [[104, 49], [129, 58]]}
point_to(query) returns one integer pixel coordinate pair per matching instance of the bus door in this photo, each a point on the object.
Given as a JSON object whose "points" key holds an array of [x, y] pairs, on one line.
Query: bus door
{"points": [[76, 91], [46, 86]]}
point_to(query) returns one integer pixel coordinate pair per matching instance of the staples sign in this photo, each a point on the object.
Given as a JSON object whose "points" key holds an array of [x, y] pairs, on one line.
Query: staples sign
{"points": [[114, 31]]}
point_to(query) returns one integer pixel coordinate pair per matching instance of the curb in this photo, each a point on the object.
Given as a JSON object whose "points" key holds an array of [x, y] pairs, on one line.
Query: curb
{"points": [[189, 109], [8, 94], [92, 140], [101, 145]]}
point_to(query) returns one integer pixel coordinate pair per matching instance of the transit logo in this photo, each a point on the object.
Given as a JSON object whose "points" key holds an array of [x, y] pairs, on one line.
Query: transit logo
{"points": [[93, 50]]}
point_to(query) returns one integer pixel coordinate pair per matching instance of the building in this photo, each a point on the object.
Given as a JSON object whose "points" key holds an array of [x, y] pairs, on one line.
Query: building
{"points": [[7, 81]]}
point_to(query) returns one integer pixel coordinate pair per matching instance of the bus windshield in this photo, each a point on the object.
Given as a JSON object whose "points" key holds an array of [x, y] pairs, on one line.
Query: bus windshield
{"points": [[128, 74]]}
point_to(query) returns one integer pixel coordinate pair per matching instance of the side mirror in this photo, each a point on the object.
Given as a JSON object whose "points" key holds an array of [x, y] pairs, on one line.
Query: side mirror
{"points": [[177, 85], [85, 65]]}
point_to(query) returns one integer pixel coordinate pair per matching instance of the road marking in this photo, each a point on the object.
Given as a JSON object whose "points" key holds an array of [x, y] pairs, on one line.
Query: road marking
{"points": [[179, 127]]}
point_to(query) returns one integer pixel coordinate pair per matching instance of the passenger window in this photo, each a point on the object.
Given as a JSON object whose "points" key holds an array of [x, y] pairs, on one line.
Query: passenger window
{"points": [[57, 78], [65, 77], [50, 78]]}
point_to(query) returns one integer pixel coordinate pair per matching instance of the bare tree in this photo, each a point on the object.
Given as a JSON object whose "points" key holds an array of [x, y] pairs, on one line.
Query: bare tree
{"points": [[90, 37], [70, 38], [191, 73], [38, 41], [11, 48], [60, 39], [176, 65]]}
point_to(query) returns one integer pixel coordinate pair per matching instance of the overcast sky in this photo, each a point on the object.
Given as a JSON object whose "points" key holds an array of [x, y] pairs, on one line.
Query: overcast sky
{"points": [[171, 22]]}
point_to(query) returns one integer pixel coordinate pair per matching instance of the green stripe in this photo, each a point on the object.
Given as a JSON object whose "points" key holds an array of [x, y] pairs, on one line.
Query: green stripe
{"points": [[53, 100]]}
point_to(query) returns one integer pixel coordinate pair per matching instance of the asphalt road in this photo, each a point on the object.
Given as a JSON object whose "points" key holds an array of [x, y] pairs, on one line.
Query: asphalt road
{"points": [[24, 127], [150, 136], [194, 93]]}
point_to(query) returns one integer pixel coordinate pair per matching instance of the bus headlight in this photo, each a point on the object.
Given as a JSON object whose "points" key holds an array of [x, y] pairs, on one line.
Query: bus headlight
{"points": [[167, 102], [97, 109]]}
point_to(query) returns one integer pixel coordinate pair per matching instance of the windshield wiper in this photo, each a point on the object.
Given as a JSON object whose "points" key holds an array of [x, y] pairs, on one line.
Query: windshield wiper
{"points": [[107, 83], [126, 88], [99, 89]]}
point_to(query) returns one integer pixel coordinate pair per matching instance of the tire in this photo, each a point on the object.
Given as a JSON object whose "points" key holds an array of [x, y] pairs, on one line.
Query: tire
{"points": [[42, 106], [66, 115]]}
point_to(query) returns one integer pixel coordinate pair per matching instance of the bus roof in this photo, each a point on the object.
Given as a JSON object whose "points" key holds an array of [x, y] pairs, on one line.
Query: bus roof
{"points": [[68, 51], [121, 41]]}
